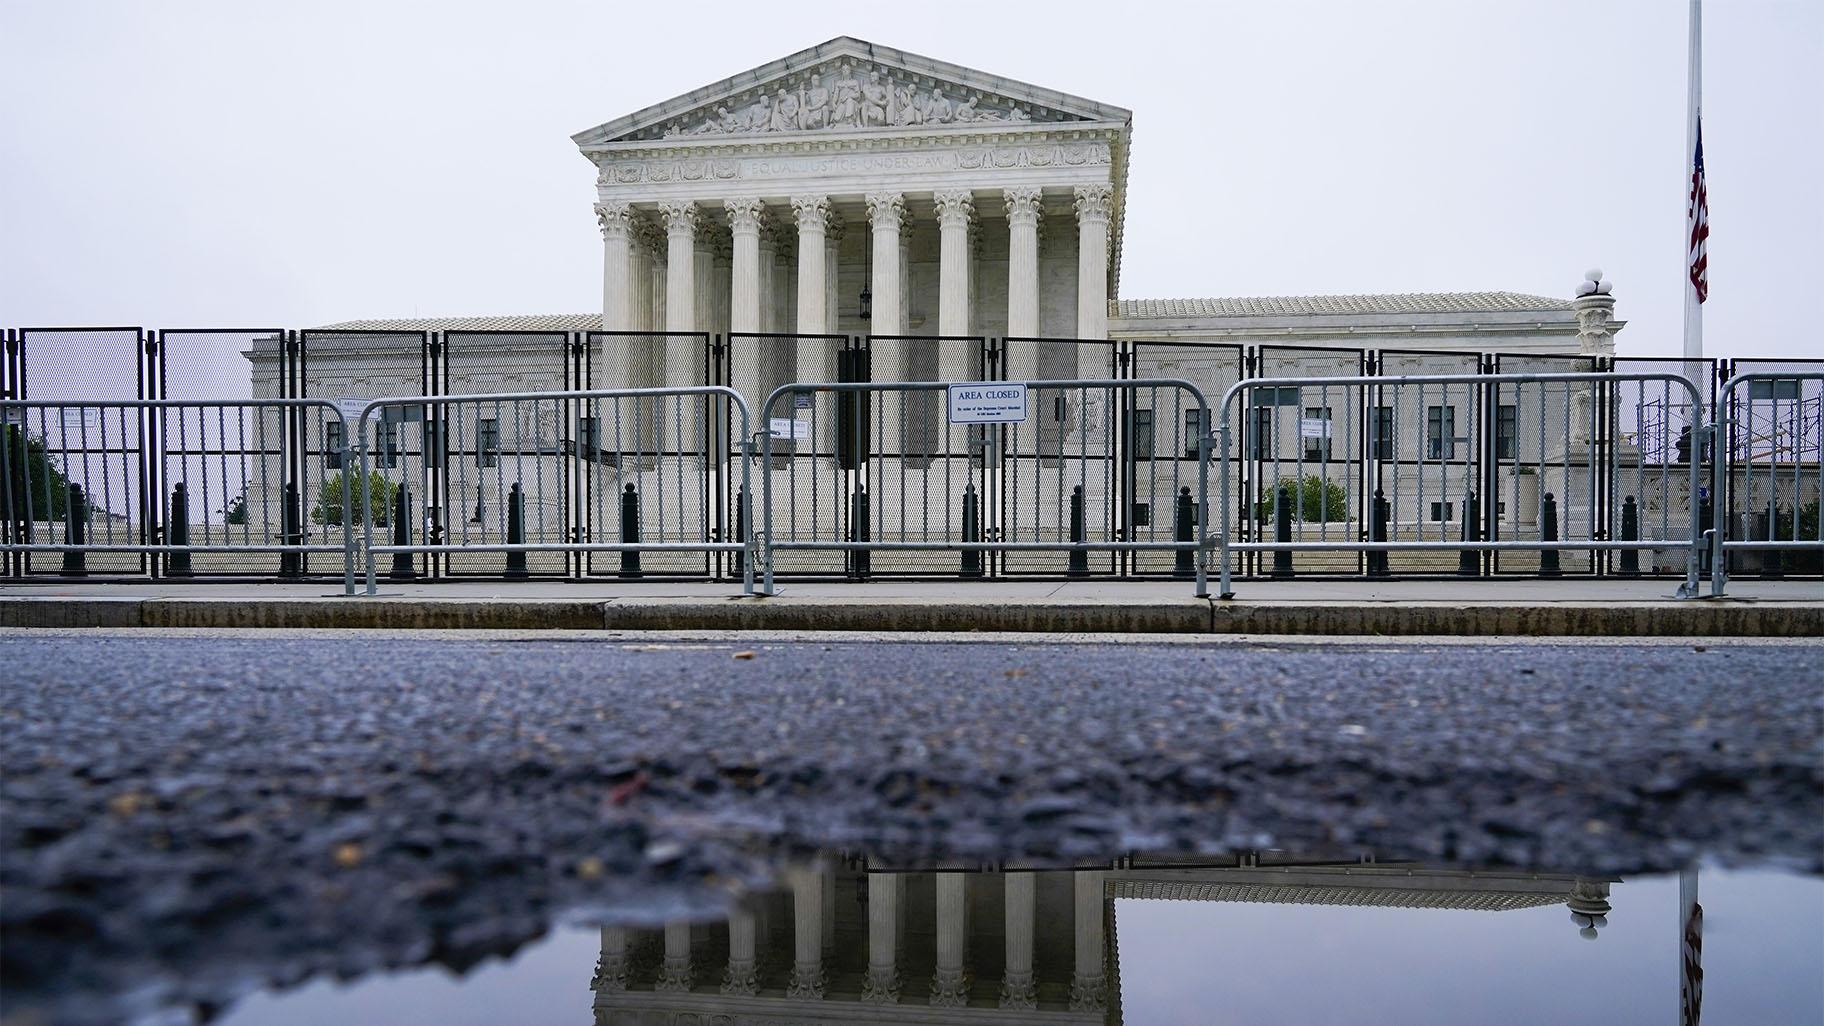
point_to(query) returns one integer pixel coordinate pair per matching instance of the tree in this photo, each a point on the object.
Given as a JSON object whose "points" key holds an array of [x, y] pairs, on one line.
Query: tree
{"points": [[33, 471], [328, 509], [1315, 500]]}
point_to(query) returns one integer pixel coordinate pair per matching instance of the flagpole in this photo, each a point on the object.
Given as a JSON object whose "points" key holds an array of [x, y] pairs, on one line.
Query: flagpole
{"points": [[1694, 310]]}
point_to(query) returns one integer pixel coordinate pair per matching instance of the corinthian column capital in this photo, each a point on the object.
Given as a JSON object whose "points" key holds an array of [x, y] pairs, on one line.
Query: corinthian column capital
{"points": [[955, 208], [886, 210], [1022, 205], [1094, 203], [811, 212], [680, 218], [745, 214], [613, 219]]}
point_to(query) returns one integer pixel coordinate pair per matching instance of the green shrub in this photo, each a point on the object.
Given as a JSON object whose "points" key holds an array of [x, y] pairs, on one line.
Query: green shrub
{"points": [[329, 499], [1317, 500]]}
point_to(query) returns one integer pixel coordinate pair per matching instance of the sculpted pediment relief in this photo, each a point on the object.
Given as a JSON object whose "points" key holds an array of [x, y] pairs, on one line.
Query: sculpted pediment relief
{"points": [[850, 94]]}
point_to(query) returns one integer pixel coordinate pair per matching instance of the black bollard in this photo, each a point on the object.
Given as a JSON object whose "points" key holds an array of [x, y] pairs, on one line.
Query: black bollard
{"points": [[1184, 529], [516, 532], [1630, 531], [481, 509], [1774, 565], [1548, 531], [1079, 558], [1282, 532], [972, 531], [630, 532], [76, 532], [291, 528], [859, 562], [741, 529], [177, 564], [1377, 531], [404, 567], [1469, 561]]}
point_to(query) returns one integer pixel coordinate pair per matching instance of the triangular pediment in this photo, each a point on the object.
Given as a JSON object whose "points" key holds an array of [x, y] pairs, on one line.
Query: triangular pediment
{"points": [[850, 85]]}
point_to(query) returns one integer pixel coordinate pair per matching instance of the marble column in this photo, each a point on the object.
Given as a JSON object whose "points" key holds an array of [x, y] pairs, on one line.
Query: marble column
{"points": [[616, 221], [813, 214], [950, 984], [1094, 203], [677, 358], [674, 973], [955, 212], [745, 216], [611, 966], [807, 935], [1017, 989], [741, 977], [832, 284], [1089, 983], [886, 221], [881, 985], [1023, 211]]}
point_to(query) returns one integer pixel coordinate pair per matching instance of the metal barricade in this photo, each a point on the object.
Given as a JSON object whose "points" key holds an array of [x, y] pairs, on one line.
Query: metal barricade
{"points": [[558, 477], [173, 488], [870, 481], [1473, 443], [1768, 434]]}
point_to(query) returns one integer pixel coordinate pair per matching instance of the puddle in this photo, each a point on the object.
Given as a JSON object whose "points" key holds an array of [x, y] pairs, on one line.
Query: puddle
{"points": [[1260, 938]]}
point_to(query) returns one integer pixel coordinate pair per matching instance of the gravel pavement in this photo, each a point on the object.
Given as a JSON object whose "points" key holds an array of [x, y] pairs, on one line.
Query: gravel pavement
{"points": [[183, 817]]}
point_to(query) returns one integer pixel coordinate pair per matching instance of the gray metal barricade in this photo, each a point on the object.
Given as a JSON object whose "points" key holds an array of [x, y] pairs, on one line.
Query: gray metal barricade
{"points": [[1768, 434], [532, 480], [870, 478], [173, 488], [1472, 445]]}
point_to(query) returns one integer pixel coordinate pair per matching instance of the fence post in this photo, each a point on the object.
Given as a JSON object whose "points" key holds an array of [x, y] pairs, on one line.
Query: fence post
{"points": [[1469, 561], [1708, 560], [630, 531], [1079, 558], [1774, 563], [1282, 532], [516, 530], [740, 537], [1377, 531], [1548, 532], [291, 564], [177, 564], [75, 532], [1184, 529], [972, 531], [1630, 531], [403, 566], [859, 563]]}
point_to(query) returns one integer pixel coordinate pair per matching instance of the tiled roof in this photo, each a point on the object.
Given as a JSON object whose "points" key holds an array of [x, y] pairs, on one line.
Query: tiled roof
{"points": [[1319, 306], [508, 322]]}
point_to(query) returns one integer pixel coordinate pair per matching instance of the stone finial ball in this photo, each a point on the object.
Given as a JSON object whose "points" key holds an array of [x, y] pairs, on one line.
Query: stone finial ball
{"points": [[1593, 274]]}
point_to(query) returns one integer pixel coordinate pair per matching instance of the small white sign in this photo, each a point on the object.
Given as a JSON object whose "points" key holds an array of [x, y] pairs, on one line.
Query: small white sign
{"points": [[988, 402], [85, 419], [1313, 427], [14, 415], [350, 407], [796, 430], [804, 400]]}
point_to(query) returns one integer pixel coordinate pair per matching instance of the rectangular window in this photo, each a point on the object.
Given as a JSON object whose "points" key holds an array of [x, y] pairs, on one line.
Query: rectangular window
{"points": [[589, 437], [1315, 430], [1260, 440], [388, 454], [1774, 388], [1142, 440], [1507, 431], [1442, 513], [1193, 430], [1381, 432], [487, 442], [332, 444], [1441, 432]]}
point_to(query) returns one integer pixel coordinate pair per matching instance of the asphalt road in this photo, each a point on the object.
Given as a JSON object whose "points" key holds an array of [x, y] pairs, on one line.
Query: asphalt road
{"points": [[184, 817]]}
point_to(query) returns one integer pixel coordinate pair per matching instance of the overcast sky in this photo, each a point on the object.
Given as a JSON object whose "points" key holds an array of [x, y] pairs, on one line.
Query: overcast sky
{"points": [[251, 163]]}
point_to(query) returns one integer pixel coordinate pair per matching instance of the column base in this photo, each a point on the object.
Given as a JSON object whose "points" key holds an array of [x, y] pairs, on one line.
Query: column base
{"points": [[1088, 993], [1017, 991], [807, 983], [950, 988], [741, 979], [610, 975], [880, 986], [674, 977]]}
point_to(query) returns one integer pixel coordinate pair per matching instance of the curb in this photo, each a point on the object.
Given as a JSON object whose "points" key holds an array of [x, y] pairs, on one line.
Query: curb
{"points": [[1701, 618]]}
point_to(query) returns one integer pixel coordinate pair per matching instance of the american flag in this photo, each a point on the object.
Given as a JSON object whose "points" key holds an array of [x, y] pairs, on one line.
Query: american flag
{"points": [[1697, 219]]}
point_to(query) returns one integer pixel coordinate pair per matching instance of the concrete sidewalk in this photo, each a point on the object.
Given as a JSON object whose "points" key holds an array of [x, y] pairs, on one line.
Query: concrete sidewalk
{"points": [[1566, 607]]}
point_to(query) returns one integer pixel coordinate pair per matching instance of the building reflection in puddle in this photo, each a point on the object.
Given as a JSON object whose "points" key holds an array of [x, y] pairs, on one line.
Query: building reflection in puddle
{"points": [[858, 941]]}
